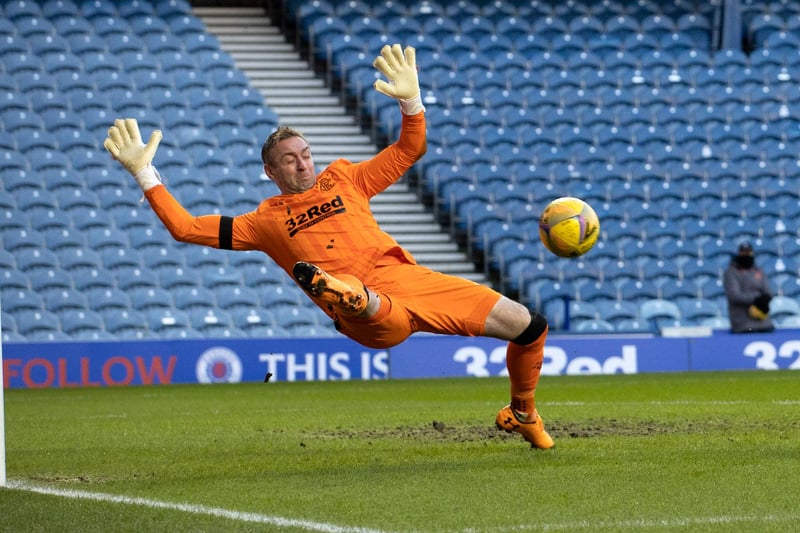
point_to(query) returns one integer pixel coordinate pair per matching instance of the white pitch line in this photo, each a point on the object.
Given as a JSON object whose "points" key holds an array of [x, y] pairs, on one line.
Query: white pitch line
{"points": [[309, 525], [649, 524], [306, 525]]}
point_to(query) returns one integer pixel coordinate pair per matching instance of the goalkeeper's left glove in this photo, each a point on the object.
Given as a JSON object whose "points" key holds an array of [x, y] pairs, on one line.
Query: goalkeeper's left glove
{"points": [[124, 143], [400, 68]]}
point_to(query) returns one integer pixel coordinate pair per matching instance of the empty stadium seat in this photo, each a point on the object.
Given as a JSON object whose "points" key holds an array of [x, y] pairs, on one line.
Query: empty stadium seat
{"points": [[251, 319], [660, 312], [783, 306], [594, 325], [235, 298], [81, 323], [126, 323], [188, 298]]}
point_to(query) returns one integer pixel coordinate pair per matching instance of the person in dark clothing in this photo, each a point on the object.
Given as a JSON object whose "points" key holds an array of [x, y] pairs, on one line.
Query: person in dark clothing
{"points": [[748, 292]]}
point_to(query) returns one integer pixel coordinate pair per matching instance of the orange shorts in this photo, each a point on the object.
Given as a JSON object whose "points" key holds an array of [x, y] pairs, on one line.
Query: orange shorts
{"points": [[416, 298]]}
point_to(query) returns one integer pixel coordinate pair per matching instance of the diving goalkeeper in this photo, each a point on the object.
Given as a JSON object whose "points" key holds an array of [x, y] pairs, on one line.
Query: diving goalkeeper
{"points": [[321, 231]]}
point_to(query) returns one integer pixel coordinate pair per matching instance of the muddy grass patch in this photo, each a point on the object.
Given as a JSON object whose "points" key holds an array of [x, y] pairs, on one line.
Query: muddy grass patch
{"points": [[461, 432]]}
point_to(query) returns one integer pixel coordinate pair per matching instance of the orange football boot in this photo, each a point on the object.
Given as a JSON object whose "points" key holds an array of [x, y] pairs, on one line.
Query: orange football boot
{"points": [[532, 432], [318, 283]]}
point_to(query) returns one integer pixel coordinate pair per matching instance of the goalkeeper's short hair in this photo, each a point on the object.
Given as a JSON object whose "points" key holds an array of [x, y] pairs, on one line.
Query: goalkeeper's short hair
{"points": [[280, 134]]}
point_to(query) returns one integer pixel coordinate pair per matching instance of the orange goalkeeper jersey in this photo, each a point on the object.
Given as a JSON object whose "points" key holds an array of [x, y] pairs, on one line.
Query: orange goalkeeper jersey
{"points": [[330, 225]]}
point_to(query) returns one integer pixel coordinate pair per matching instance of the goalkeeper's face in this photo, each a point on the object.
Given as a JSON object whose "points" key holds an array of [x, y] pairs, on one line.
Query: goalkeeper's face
{"points": [[291, 166]]}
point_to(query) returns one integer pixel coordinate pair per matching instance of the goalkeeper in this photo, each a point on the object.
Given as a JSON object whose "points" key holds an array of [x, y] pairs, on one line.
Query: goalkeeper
{"points": [[321, 231]]}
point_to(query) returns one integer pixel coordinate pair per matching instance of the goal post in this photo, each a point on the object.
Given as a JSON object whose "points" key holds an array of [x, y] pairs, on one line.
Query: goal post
{"points": [[2, 411]]}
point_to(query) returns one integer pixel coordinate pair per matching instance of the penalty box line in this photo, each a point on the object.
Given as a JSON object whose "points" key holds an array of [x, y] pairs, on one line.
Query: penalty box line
{"points": [[240, 516]]}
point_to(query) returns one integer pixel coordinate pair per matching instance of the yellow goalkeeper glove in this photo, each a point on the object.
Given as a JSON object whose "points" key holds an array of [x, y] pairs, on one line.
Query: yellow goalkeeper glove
{"points": [[124, 143], [400, 68]]}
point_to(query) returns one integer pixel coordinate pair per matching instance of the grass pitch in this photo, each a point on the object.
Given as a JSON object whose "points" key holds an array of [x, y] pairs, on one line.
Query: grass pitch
{"points": [[671, 452]]}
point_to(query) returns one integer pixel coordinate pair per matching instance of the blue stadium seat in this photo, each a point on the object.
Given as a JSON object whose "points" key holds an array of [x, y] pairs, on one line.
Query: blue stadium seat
{"points": [[309, 330], [615, 310], [222, 277], [208, 60], [620, 27], [173, 8], [783, 306], [22, 9], [132, 219], [153, 297], [265, 274], [677, 44], [163, 42], [37, 30], [177, 64], [185, 24], [36, 324], [697, 27], [267, 331], [293, 315], [214, 323], [658, 26], [125, 323], [148, 26], [234, 298], [696, 310], [17, 239], [33, 259], [17, 300], [57, 9], [14, 280], [80, 37], [249, 319], [633, 325], [202, 258], [136, 9], [81, 323], [79, 261], [162, 258], [105, 299], [132, 278], [7, 260], [20, 62], [659, 312], [179, 278], [161, 319], [559, 313], [594, 325], [717, 322], [275, 295], [108, 24], [789, 322], [66, 299], [150, 239], [187, 298]]}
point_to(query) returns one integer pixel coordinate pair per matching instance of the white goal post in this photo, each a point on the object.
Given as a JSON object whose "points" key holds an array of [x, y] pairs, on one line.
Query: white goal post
{"points": [[2, 412]]}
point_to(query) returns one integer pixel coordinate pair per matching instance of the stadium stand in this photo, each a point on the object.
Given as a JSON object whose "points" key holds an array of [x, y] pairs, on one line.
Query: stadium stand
{"points": [[682, 148]]}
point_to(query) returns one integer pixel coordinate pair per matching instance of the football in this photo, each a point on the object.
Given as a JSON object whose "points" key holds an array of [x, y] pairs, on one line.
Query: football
{"points": [[569, 227]]}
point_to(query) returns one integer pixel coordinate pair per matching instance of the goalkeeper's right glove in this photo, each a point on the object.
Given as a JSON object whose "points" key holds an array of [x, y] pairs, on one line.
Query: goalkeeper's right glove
{"points": [[400, 68], [124, 143]]}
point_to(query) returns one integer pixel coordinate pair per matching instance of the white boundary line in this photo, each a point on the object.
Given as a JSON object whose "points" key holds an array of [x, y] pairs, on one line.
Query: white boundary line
{"points": [[654, 524], [256, 518], [308, 525]]}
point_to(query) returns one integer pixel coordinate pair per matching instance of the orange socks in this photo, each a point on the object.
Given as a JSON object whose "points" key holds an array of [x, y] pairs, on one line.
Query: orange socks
{"points": [[524, 365]]}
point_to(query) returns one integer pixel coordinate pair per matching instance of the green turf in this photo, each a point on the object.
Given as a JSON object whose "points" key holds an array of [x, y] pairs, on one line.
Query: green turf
{"points": [[671, 452]]}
